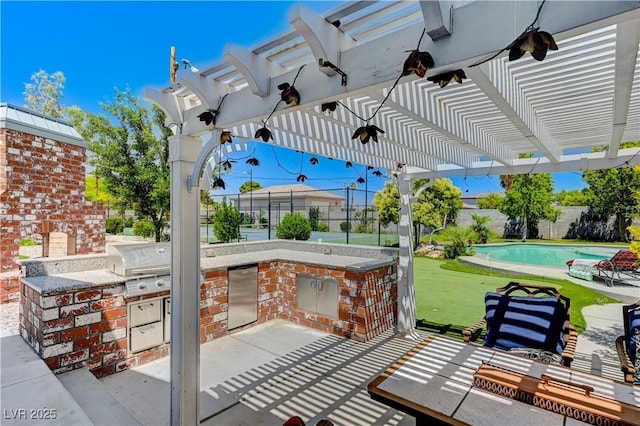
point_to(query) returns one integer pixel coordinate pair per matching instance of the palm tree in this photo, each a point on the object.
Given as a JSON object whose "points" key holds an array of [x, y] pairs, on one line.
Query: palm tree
{"points": [[460, 241], [480, 228]]}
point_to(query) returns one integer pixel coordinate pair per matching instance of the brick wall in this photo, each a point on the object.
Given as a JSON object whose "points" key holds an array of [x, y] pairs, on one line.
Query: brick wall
{"points": [[88, 328], [214, 302], [367, 301], [42, 183]]}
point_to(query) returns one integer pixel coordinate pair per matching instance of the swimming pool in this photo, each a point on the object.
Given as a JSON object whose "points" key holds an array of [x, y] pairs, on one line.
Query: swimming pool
{"points": [[544, 254]]}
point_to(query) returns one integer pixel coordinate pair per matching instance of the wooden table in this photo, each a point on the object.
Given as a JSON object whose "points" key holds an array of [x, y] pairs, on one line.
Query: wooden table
{"points": [[434, 383]]}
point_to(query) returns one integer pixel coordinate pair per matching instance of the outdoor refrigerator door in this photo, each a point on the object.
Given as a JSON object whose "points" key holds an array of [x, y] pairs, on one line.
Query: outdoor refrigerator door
{"points": [[243, 296]]}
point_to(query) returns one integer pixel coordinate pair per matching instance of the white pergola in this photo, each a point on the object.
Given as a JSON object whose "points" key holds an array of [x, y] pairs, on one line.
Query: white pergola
{"points": [[585, 94]]}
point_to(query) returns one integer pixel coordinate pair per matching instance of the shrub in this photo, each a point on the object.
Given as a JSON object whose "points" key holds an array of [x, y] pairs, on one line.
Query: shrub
{"points": [[227, 222], [344, 226], [27, 242], [460, 241], [144, 228], [323, 227], [128, 222], [294, 226], [114, 225], [362, 228]]}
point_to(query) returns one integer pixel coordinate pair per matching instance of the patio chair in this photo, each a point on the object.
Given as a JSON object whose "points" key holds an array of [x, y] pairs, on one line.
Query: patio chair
{"points": [[534, 325], [623, 262], [297, 421], [628, 346]]}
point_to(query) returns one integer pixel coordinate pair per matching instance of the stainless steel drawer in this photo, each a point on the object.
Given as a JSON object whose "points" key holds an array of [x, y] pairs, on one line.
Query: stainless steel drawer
{"points": [[145, 336], [145, 312]]}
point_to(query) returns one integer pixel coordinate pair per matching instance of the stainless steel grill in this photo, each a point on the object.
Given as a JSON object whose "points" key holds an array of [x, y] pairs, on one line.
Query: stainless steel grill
{"points": [[147, 267]]}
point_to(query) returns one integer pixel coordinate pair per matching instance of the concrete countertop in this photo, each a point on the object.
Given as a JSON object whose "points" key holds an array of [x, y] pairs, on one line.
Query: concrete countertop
{"points": [[73, 281], [293, 256]]}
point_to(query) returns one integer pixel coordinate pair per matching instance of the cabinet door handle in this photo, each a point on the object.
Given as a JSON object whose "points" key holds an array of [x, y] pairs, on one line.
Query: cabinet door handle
{"points": [[320, 285]]}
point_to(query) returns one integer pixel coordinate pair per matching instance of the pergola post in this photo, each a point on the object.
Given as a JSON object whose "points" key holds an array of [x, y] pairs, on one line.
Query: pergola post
{"points": [[406, 289], [185, 291]]}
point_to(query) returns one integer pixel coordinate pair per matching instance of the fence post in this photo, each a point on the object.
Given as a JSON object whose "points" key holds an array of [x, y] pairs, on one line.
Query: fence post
{"points": [[348, 215], [378, 232], [269, 214], [291, 210]]}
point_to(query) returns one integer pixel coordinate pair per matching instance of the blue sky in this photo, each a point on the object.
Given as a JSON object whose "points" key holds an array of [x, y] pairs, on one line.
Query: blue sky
{"points": [[100, 46]]}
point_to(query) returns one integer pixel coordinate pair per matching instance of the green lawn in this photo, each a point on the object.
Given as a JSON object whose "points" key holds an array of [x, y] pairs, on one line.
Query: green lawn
{"points": [[452, 294]]}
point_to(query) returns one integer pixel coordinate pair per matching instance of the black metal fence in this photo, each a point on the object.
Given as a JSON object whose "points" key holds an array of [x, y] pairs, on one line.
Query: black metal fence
{"points": [[344, 215]]}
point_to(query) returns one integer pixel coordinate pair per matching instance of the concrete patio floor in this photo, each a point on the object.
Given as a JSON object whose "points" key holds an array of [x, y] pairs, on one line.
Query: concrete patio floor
{"points": [[258, 376], [265, 374]]}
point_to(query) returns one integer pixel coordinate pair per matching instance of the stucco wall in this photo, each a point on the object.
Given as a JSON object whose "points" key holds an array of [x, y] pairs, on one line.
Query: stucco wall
{"points": [[567, 225]]}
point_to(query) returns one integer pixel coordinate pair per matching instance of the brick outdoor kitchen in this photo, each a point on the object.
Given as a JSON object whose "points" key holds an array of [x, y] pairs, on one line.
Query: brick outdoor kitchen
{"points": [[76, 313]]}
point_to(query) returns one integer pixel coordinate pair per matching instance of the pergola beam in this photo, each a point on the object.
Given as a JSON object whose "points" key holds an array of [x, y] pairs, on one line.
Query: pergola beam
{"points": [[325, 40], [367, 69], [627, 41], [566, 163], [204, 88], [437, 18], [513, 104], [255, 69], [463, 158]]}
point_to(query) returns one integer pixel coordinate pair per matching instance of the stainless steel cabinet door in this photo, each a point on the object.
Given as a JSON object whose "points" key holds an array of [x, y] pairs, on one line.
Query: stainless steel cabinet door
{"points": [[145, 336], [306, 293], [145, 312], [327, 297]]}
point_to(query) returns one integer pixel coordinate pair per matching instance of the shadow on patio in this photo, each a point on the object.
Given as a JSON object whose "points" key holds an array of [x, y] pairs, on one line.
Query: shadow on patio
{"points": [[281, 376], [326, 378]]}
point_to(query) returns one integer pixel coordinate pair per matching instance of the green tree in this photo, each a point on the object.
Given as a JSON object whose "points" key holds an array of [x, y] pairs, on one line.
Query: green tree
{"points": [[529, 199], [490, 201], [44, 93], [438, 204], [131, 157], [248, 186], [206, 198], [574, 197], [294, 226], [614, 192], [226, 225], [386, 202], [314, 217], [96, 190]]}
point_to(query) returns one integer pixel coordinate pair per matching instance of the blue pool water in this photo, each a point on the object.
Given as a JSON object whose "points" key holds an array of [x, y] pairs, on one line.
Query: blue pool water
{"points": [[544, 254]]}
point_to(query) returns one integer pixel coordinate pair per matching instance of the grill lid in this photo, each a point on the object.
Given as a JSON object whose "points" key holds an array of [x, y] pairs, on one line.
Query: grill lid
{"points": [[139, 259]]}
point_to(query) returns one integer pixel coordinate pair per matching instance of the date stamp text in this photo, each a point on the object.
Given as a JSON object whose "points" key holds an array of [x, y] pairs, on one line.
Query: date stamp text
{"points": [[43, 413]]}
